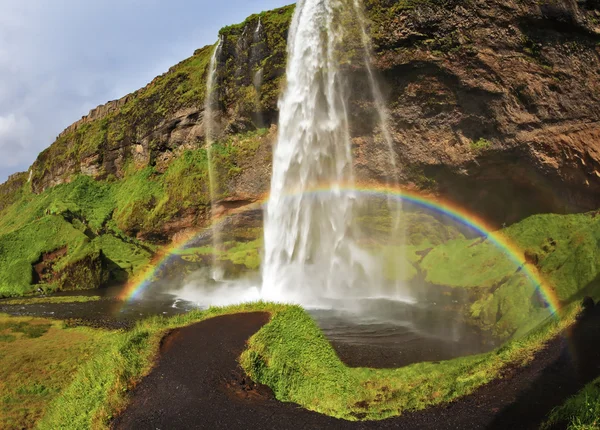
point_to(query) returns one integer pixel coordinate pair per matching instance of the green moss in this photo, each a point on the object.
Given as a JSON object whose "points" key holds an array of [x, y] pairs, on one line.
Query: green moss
{"points": [[564, 249], [129, 257], [244, 253], [136, 198], [84, 198], [467, 263], [12, 189], [75, 217], [20, 249]]}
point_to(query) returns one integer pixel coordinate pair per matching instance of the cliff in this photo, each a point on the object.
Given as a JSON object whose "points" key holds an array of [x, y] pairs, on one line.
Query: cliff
{"points": [[494, 104]]}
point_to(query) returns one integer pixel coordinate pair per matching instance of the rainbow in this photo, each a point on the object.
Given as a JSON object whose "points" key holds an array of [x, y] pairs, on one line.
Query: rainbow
{"points": [[134, 288], [441, 206]]}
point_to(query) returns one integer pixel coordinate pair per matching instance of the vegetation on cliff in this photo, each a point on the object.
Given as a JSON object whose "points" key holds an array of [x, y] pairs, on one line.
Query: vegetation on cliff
{"points": [[563, 249], [87, 233]]}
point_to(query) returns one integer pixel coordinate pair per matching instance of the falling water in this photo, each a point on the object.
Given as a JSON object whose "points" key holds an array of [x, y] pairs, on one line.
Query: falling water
{"points": [[257, 79], [394, 205], [258, 27], [209, 126], [310, 254]]}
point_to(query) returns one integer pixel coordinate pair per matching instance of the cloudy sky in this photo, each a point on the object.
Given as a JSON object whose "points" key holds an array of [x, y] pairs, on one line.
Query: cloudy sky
{"points": [[60, 58]]}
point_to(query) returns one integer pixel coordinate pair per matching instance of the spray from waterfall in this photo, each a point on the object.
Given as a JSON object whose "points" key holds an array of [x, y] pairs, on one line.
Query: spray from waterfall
{"points": [[210, 126], [310, 251]]}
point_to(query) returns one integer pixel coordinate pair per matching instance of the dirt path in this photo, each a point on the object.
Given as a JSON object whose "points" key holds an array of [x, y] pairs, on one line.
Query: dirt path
{"points": [[197, 384]]}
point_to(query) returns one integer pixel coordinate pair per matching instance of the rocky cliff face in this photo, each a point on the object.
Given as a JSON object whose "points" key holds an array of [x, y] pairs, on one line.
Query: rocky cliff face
{"points": [[494, 104]]}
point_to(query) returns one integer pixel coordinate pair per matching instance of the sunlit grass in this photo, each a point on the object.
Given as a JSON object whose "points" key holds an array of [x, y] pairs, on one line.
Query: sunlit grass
{"points": [[292, 356], [37, 357]]}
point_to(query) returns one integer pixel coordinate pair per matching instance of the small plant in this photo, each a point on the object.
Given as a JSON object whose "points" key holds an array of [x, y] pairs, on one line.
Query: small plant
{"points": [[481, 145]]}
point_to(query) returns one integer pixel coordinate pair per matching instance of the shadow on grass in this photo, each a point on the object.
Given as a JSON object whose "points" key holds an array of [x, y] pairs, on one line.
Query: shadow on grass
{"points": [[577, 364]]}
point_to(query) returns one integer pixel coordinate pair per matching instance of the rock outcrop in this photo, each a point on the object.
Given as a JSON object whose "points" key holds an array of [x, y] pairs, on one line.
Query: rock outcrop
{"points": [[494, 104]]}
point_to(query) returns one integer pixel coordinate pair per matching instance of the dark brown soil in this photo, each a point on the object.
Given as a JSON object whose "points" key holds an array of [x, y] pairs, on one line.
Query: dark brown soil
{"points": [[197, 383]]}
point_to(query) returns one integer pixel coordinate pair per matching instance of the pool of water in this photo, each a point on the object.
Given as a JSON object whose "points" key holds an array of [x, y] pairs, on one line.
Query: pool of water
{"points": [[365, 333]]}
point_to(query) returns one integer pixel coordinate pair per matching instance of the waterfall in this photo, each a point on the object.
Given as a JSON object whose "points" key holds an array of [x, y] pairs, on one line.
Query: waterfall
{"points": [[258, 27], [257, 78], [209, 127], [310, 253], [394, 205]]}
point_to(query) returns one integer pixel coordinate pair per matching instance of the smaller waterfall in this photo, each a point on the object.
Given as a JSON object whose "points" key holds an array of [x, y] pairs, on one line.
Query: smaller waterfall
{"points": [[394, 205], [257, 82], [258, 27], [257, 79], [210, 126]]}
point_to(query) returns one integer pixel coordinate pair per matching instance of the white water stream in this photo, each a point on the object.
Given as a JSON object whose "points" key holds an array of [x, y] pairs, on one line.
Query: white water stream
{"points": [[210, 131], [310, 252]]}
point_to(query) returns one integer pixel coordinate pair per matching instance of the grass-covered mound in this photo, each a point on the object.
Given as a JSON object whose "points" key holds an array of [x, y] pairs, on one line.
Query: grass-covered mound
{"points": [[65, 238], [87, 233], [562, 249]]}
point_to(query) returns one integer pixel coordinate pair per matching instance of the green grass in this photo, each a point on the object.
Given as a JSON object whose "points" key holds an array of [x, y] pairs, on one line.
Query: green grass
{"points": [[581, 412], [563, 249], [291, 355], [49, 300], [467, 263], [84, 199], [20, 249], [296, 361], [36, 358], [244, 253], [100, 388]]}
